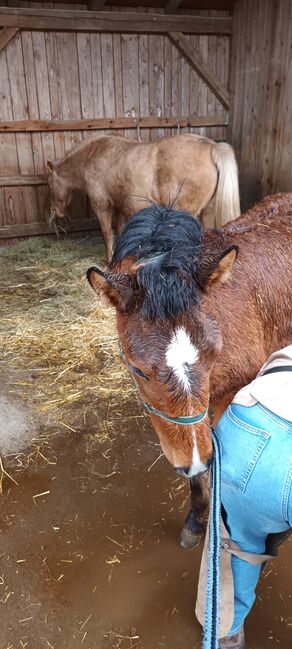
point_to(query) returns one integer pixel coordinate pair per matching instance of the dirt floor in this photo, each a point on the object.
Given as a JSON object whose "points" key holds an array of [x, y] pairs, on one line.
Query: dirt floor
{"points": [[89, 514], [89, 555]]}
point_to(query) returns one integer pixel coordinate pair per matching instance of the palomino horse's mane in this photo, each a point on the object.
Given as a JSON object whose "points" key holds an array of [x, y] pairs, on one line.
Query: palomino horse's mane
{"points": [[85, 147], [165, 247]]}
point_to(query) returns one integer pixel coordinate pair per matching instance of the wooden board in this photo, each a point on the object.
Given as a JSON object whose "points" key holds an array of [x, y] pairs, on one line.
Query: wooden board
{"points": [[156, 80], [33, 229], [19, 99], [200, 66], [93, 21], [20, 126], [6, 34], [261, 107], [10, 199], [25, 179]]}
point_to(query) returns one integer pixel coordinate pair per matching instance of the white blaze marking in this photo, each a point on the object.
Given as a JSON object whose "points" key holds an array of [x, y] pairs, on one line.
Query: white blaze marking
{"points": [[197, 466], [181, 352]]}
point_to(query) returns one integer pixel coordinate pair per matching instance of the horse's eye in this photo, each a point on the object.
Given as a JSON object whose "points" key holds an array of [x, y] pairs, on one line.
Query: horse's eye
{"points": [[140, 373]]}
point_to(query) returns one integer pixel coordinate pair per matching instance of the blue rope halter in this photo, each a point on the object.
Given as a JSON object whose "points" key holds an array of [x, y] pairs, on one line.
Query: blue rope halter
{"points": [[181, 421], [185, 420]]}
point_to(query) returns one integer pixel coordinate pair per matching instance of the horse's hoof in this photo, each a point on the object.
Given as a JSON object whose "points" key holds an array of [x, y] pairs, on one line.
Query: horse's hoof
{"points": [[189, 539]]}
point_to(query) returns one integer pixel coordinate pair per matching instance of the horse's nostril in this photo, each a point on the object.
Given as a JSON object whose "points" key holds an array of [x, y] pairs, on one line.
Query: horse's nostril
{"points": [[182, 470], [209, 462]]}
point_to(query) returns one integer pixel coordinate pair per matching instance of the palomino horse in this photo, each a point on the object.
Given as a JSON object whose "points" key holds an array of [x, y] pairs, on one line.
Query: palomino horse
{"points": [[198, 312], [121, 176]]}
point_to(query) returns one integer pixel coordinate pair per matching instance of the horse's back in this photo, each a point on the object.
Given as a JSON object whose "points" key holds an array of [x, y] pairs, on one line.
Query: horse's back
{"points": [[176, 170], [273, 211], [185, 170]]}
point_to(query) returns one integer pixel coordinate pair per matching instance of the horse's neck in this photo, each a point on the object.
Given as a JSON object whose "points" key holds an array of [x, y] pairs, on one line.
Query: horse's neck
{"points": [[249, 335], [72, 167], [236, 365]]}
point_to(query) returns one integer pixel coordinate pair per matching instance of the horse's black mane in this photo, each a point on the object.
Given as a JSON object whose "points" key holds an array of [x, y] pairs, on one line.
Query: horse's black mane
{"points": [[169, 244]]}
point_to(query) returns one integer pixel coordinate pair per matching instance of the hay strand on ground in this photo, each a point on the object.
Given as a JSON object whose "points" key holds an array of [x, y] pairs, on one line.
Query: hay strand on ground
{"points": [[58, 334]]}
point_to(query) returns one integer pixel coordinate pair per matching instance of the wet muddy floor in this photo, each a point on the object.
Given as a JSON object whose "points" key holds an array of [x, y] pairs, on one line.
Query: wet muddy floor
{"points": [[89, 555]]}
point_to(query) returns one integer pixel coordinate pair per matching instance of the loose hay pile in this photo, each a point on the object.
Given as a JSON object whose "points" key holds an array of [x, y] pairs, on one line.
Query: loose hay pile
{"points": [[61, 338]]}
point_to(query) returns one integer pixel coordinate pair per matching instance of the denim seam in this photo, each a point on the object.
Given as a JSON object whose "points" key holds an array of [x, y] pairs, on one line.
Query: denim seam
{"points": [[263, 436], [252, 464], [252, 429], [286, 492], [271, 415]]}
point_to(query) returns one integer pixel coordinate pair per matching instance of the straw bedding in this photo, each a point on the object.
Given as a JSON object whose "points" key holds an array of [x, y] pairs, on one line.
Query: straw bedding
{"points": [[59, 336]]}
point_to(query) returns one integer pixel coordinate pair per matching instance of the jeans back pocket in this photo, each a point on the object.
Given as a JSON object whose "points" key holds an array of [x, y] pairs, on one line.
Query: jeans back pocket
{"points": [[241, 447]]}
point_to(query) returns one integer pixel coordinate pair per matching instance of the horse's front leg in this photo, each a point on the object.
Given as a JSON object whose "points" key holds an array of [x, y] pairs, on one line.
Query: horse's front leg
{"points": [[105, 220], [104, 214], [195, 522], [121, 221]]}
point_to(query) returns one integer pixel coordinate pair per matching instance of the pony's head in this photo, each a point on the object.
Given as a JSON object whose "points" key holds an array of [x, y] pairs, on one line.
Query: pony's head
{"points": [[60, 191], [157, 280]]}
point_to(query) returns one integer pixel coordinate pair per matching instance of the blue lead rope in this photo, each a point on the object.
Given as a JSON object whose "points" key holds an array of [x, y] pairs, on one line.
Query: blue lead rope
{"points": [[212, 614]]}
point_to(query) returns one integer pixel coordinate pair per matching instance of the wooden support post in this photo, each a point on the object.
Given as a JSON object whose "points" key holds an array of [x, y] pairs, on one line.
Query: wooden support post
{"points": [[201, 67], [6, 34]]}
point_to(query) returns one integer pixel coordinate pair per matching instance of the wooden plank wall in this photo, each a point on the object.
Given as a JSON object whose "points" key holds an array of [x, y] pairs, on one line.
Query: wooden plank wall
{"points": [[55, 75], [261, 97]]}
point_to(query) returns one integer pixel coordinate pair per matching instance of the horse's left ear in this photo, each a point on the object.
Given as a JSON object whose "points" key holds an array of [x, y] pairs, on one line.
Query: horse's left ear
{"points": [[50, 167], [221, 272], [116, 289]]}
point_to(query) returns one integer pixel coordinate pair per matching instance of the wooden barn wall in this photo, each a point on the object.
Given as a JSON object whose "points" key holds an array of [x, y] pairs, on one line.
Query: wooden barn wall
{"points": [[47, 75], [261, 96]]}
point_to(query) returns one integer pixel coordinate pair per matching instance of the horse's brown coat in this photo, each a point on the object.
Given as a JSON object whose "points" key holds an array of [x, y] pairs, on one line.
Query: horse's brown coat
{"points": [[121, 176], [238, 325]]}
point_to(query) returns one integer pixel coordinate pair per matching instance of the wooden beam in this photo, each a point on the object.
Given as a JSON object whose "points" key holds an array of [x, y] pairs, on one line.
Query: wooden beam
{"points": [[17, 181], [172, 6], [33, 229], [201, 67], [36, 125], [95, 21], [6, 34]]}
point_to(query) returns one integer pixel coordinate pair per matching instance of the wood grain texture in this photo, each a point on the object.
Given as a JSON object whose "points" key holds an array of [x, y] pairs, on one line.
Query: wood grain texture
{"points": [[22, 180], [201, 67], [261, 90], [6, 34], [21, 126], [36, 228], [19, 99], [10, 199], [93, 21]]}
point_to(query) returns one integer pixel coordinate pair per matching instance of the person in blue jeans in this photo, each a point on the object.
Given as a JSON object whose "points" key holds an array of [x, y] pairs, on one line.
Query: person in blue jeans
{"points": [[255, 436]]}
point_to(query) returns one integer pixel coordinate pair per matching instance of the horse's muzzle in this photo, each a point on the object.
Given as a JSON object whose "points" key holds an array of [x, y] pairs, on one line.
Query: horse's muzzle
{"points": [[182, 470]]}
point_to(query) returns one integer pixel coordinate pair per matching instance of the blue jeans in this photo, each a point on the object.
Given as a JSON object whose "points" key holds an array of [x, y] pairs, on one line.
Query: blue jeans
{"points": [[256, 448]]}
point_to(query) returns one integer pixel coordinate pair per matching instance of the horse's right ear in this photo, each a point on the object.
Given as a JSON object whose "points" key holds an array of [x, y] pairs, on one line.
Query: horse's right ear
{"points": [[115, 289], [50, 167], [221, 272]]}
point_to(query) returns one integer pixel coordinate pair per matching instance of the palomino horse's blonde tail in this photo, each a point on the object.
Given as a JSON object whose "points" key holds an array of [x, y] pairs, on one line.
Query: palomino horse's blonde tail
{"points": [[226, 199]]}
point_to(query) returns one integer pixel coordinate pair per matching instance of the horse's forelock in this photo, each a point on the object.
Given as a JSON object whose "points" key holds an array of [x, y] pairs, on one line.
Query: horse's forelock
{"points": [[155, 229], [168, 244]]}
